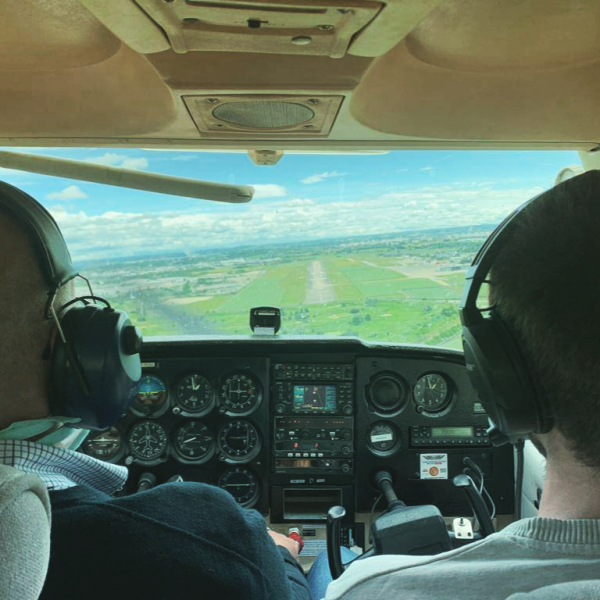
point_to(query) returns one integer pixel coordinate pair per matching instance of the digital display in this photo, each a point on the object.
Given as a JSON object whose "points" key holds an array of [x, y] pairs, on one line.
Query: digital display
{"points": [[451, 432], [315, 398]]}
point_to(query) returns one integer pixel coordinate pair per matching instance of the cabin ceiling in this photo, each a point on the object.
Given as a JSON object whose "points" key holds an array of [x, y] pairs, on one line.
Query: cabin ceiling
{"points": [[300, 74]]}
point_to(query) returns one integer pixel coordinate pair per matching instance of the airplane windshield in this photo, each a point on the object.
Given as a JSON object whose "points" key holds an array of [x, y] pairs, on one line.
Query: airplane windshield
{"points": [[367, 245]]}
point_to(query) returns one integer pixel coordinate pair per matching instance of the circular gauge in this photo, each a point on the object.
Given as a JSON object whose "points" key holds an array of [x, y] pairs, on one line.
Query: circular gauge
{"points": [[151, 397], [239, 441], [383, 438], [387, 393], [105, 445], [194, 441], [195, 394], [241, 484], [240, 394], [147, 440], [432, 393]]}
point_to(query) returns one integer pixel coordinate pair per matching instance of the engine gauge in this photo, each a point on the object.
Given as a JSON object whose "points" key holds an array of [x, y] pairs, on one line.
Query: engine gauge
{"points": [[194, 442], [195, 394], [105, 445], [241, 484], [239, 441], [431, 393], [383, 438], [151, 399], [147, 441], [240, 394]]}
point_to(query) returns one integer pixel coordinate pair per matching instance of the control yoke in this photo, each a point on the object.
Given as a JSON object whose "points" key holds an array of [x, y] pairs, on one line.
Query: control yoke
{"points": [[416, 530]]}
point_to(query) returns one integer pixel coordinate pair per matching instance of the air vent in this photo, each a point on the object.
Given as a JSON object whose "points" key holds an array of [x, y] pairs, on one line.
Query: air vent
{"points": [[264, 115]]}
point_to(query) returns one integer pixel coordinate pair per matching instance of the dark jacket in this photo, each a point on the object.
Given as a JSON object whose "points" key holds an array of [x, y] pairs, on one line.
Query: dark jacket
{"points": [[176, 541]]}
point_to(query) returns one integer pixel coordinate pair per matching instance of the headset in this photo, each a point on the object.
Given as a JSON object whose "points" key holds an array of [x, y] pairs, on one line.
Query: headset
{"points": [[96, 368], [515, 403]]}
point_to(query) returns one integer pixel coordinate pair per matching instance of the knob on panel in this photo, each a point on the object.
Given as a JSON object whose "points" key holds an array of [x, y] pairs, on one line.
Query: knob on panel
{"points": [[387, 393]]}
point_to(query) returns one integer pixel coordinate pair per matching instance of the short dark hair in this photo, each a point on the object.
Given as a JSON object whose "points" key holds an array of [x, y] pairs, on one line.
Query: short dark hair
{"points": [[546, 285]]}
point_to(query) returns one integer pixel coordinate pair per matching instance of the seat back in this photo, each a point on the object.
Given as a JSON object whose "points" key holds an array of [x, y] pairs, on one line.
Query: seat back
{"points": [[24, 534]]}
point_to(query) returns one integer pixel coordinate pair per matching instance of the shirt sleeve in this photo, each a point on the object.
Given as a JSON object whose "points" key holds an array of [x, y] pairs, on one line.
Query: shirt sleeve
{"points": [[298, 582]]}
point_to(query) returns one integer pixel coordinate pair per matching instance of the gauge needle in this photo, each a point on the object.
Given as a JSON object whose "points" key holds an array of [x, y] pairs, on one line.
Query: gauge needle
{"points": [[195, 385], [190, 440]]}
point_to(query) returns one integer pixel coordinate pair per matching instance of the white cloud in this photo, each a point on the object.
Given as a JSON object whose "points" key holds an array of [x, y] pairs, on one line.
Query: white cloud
{"points": [[320, 176], [268, 190], [426, 169], [69, 193], [125, 233], [111, 159]]}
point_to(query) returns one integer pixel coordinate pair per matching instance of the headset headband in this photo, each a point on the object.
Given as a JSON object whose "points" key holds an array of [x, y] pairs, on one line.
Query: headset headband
{"points": [[477, 273], [46, 239]]}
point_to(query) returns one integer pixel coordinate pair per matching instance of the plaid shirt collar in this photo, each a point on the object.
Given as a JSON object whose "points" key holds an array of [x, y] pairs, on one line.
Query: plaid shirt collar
{"points": [[60, 468]]}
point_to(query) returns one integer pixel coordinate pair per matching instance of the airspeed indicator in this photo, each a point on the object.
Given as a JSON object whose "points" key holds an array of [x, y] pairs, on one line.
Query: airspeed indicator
{"points": [[195, 394]]}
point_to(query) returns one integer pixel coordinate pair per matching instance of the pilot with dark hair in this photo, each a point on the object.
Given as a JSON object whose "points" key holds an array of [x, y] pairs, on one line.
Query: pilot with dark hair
{"points": [[545, 286], [178, 540]]}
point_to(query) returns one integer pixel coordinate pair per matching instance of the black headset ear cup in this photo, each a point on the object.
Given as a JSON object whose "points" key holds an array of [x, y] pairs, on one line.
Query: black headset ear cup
{"points": [[95, 375], [502, 379]]}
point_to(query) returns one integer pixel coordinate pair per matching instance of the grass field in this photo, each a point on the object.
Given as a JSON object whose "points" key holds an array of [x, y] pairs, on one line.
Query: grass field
{"points": [[376, 294]]}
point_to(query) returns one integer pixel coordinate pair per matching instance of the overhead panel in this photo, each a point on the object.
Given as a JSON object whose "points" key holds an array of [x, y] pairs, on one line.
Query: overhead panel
{"points": [[266, 115], [303, 27]]}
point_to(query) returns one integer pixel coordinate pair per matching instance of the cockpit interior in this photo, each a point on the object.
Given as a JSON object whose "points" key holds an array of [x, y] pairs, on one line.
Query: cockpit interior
{"points": [[302, 347]]}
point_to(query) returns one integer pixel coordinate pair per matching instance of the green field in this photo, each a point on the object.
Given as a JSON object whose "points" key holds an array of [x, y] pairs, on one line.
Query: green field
{"points": [[407, 294]]}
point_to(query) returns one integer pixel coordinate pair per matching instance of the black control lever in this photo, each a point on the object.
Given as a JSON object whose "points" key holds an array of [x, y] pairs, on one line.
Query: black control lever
{"points": [[334, 540], [383, 480], [416, 530], [476, 502], [146, 481]]}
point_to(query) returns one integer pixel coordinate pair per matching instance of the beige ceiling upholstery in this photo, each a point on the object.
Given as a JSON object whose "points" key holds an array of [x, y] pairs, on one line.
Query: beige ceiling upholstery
{"points": [[409, 73]]}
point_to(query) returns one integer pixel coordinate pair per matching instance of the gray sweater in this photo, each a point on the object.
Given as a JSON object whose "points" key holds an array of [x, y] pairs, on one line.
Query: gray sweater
{"points": [[525, 556]]}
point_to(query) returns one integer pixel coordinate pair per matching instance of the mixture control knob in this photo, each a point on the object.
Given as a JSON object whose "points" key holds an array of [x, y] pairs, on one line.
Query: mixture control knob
{"points": [[346, 434], [348, 410], [345, 450], [345, 468], [280, 409], [304, 434]]}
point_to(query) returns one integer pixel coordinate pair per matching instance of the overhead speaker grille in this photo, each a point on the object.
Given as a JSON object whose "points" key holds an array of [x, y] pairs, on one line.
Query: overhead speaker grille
{"points": [[265, 114], [272, 115]]}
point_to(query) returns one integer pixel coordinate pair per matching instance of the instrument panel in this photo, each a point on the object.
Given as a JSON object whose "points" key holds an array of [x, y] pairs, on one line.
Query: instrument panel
{"points": [[287, 425]]}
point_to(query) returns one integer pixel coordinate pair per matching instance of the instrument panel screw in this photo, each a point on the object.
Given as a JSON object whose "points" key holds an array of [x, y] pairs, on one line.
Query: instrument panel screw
{"points": [[308, 126], [326, 27], [313, 101], [212, 100]]}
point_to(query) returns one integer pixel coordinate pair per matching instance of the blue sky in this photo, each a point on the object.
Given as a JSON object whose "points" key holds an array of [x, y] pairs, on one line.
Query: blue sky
{"points": [[302, 197]]}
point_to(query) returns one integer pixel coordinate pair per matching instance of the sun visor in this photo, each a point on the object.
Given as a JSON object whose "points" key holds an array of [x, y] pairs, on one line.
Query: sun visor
{"points": [[490, 73]]}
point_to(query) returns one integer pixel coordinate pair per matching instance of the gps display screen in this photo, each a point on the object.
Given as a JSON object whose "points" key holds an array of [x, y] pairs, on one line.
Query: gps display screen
{"points": [[315, 398]]}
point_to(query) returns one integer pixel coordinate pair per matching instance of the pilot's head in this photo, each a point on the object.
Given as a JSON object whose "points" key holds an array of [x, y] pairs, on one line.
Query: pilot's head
{"points": [[26, 334], [546, 286], [67, 364]]}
